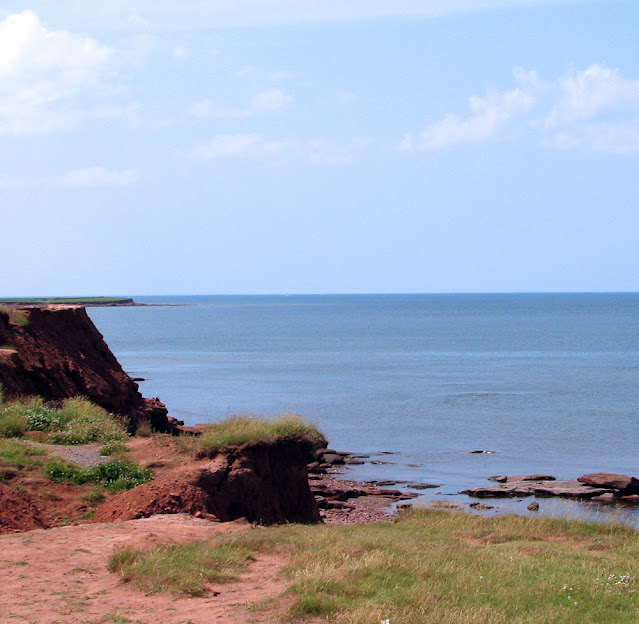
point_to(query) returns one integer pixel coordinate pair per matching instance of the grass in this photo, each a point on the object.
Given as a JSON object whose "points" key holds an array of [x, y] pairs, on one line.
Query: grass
{"points": [[16, 457], [19, 317], [240, 430], [116, 475], [144, 428], [432, 567], [75, 421], [180, 569]]}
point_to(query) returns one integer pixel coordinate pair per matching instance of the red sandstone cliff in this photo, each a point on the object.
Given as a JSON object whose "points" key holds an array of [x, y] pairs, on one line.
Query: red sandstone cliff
{"points": [[265, 482], [57, 353]]}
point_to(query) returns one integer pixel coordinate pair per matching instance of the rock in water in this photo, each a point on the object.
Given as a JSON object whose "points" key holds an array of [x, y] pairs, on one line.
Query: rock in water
{"points": [[624, 483]]}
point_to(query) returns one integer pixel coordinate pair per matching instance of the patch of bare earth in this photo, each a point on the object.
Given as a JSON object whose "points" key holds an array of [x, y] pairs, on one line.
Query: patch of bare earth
{"points": [[60, 575]]}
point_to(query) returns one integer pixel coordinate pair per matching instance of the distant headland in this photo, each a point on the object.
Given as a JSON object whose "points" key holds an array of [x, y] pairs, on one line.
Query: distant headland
{"points": [[81, 301]]}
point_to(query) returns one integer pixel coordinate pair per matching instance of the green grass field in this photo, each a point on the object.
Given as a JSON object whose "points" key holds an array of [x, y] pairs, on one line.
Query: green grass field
{"points": [[427, 567]]}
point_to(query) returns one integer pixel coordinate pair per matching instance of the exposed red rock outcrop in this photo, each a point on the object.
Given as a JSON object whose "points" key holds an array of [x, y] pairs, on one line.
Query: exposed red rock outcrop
{"points": [[57, 353], [18, 512], [264, 482], [624, 483]]}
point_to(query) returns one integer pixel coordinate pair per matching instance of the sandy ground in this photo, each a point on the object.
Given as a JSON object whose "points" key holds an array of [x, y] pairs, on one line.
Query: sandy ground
{"points": [[60, 576]]}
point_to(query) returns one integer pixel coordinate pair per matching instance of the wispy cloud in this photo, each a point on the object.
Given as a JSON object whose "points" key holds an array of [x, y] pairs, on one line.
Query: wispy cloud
{"points": [[269, 101], [42, 72], [593, 109], [97, 177], [164, 14], [256, 147], [9, 182]]}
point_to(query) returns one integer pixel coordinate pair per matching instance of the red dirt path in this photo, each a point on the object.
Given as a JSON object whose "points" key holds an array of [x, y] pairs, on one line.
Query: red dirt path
{"points": [[60, 576]]}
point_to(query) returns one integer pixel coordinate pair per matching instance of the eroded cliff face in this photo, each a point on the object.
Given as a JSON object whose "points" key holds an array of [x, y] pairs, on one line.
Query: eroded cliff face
{"points": [[57, 352], [265, 482]]}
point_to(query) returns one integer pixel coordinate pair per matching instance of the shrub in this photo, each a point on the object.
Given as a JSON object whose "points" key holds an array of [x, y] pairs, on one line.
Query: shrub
{"points": [[12, 424], [114, 475], [239, 430], [77, 421], [83, 423]]}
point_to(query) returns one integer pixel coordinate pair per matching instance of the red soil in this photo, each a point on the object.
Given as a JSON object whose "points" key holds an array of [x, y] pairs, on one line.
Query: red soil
{"points": [[60, 575], [59, 353], [18, 512]]}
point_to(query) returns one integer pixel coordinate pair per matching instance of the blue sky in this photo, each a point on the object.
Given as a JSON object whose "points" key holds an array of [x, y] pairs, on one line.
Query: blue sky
{"points": [[280, 146]]}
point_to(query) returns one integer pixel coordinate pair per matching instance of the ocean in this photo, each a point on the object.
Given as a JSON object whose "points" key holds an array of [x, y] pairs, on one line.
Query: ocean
{"points": [[547, 382]]}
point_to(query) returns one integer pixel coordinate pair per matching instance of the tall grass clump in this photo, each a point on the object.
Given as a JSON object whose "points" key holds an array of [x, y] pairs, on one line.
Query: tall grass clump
{"points": [[239, 430], [76, 421], [180, 569]]}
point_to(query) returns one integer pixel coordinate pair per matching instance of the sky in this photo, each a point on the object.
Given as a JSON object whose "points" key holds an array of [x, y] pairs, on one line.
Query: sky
{"points": [[292, 146]]}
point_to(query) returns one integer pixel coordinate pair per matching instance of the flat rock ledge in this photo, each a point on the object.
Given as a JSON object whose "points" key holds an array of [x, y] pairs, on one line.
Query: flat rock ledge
{"points": [[599, 487]]}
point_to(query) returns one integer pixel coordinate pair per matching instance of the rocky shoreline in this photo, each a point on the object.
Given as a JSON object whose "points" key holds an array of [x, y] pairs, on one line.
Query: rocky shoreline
{"points": [[600, 487], [57, 352], [334, 491]]}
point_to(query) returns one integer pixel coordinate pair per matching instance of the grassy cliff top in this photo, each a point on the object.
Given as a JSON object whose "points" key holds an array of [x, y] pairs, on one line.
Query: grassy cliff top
{"points": [[240, 430], [66, 300]]}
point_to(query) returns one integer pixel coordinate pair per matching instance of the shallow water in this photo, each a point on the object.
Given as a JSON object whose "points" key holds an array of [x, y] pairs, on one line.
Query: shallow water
{"points": [[550, 382]]}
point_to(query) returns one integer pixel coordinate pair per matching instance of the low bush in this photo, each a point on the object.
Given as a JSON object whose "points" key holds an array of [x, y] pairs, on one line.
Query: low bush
{"points": [[12, 424], [239, 430], [114, 475], [76, 421], [85, 422]]}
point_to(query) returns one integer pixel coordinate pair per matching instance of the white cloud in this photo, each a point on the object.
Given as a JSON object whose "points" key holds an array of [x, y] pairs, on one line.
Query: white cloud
{"points": [[490, 117], [256, 147], [238, 146], [42, 72], [97, 176], [592, 93], [269, 101], [163, 15], [596, 109]]}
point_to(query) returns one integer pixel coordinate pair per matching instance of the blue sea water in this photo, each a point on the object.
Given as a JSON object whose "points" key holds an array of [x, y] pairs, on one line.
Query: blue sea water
{"points": [[549, 382]]}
